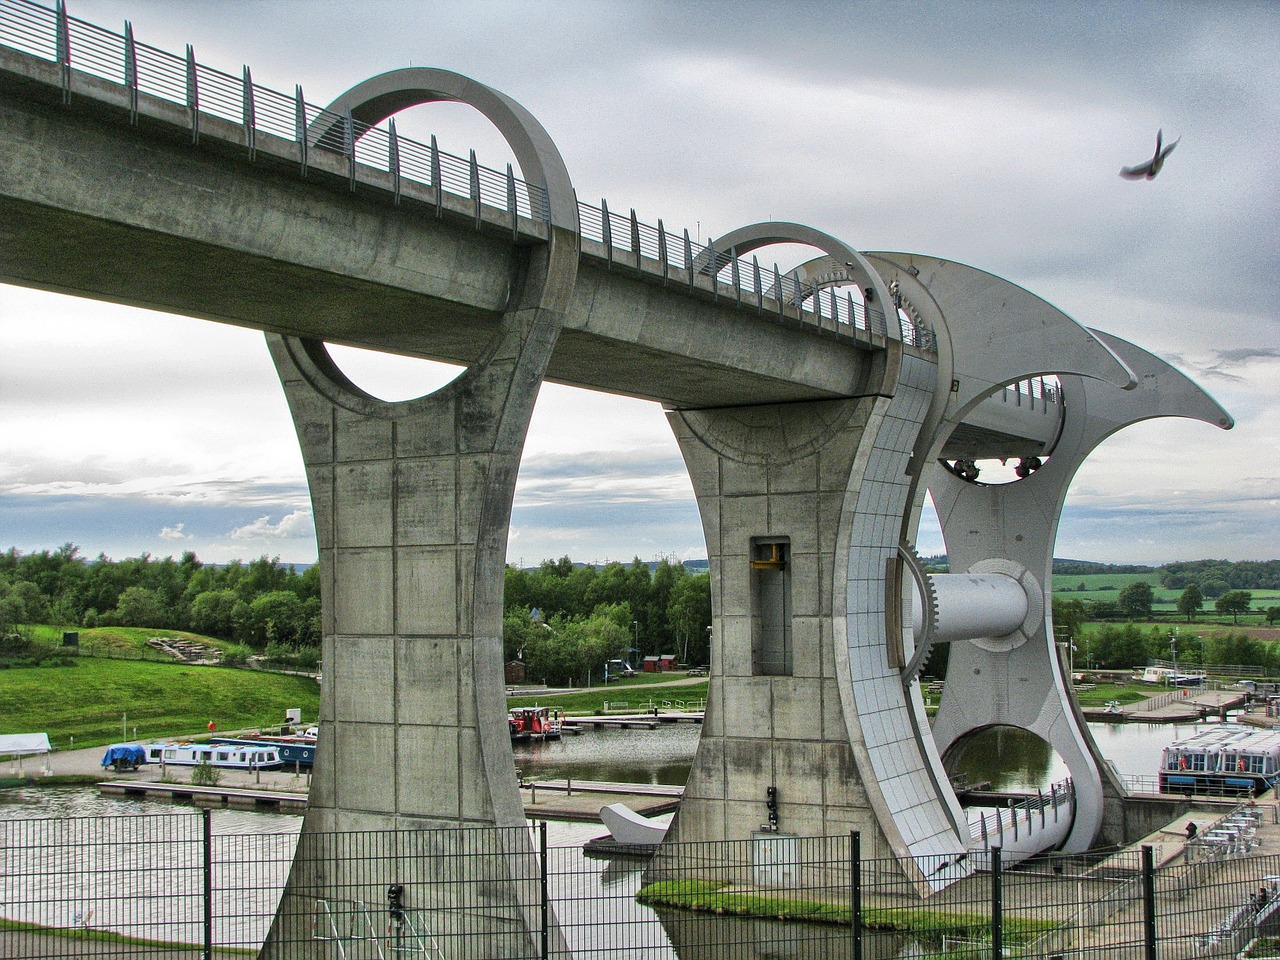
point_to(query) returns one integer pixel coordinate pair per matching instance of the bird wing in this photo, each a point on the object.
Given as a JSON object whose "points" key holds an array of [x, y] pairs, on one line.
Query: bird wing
{"points": [[1136, 173], [1161, 154]]}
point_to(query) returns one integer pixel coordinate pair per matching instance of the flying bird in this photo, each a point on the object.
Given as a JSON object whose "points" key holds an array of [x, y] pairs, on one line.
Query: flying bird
{"points": [[1148, 170]]}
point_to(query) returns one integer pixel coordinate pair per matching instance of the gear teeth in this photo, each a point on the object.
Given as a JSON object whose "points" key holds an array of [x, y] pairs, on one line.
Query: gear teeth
{"points": [[929, 597]]}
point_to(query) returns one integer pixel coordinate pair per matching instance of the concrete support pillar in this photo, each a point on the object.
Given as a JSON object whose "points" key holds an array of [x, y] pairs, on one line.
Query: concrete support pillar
{"points": [[412, 504], [802, 507]]}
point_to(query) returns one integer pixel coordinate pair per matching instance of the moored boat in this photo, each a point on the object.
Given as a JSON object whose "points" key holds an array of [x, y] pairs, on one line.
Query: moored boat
{"points": [[229, 755], [1222, 758], [536, 723], [294, 751]]}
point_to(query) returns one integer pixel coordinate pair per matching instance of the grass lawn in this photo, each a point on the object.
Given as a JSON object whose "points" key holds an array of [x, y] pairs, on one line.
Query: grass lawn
{"points": [[120, 641], [88, 700], [593, 700]]}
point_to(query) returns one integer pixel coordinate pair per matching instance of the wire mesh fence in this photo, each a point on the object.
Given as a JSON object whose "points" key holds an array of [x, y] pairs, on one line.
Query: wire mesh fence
{"points": [[165, 886]]}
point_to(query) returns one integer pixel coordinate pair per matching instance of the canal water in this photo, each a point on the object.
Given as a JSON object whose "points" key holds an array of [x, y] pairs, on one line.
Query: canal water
{"points": [[1007, 758]]}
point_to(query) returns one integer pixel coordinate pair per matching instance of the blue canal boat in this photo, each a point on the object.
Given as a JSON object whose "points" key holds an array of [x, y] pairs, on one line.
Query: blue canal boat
{"points": [[1221, 759]]}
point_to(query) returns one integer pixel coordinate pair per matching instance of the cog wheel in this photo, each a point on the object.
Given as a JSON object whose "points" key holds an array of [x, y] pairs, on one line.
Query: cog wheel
{"points": [[929, 600]]}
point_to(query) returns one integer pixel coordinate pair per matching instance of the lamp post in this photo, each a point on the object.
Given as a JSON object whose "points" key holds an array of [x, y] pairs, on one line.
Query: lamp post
{"points": [[1173, 652], [635, 646]]}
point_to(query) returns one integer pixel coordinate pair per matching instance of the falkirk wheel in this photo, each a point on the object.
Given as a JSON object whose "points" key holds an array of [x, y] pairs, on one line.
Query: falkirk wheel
{"points": [[823, 615]]}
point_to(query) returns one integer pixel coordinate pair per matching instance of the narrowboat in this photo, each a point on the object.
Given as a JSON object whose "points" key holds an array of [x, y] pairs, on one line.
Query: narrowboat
{"points": [[1222, 759], [229, 755], [535, 723], [299, 751]]}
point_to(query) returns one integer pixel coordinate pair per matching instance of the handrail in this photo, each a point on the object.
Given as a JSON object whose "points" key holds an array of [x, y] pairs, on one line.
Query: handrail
{"points": [[51, 34]]}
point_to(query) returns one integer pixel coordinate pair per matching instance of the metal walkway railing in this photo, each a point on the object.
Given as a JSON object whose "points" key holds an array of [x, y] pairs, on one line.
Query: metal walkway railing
{"points": [[53, 35]]}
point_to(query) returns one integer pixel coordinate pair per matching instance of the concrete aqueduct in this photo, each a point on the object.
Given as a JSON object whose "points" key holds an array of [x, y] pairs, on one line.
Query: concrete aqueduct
{"points": [[814, 411]]}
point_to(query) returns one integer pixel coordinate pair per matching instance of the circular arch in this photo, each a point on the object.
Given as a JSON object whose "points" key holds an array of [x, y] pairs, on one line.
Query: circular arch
{"points": [[854, 266], [547, 289], [374, 100]]}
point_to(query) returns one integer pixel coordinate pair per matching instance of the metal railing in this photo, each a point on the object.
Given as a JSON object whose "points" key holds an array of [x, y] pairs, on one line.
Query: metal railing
{"points": [[168, 886], [148, 72]]}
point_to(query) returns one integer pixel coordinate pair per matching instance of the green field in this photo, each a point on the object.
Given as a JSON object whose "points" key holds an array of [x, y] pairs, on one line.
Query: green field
{"points": [[96, 700], [120, 641], [1107, 586]]}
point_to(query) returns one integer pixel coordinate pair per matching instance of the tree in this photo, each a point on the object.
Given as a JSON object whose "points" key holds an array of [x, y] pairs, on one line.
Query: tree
{"points": [[140, 607], [1214, 588], [1190, 602], [1234, 602], [278, 617], [1273, 614], [214, 613], [1135, 600]]}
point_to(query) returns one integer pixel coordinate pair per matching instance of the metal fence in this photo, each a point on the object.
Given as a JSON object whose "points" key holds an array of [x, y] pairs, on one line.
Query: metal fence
{"points": [[165, 887], [381, 154]]}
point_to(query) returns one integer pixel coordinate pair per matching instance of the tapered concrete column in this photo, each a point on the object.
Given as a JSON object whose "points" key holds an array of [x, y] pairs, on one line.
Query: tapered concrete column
{"points": [[1019, 679], [808, 731], [412, 505]]}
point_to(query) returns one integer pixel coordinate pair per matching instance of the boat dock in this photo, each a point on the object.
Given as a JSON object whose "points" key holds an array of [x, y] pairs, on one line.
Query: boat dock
{"points": [[574, 800], [271, 801], [644, 721], [1180, 705]]}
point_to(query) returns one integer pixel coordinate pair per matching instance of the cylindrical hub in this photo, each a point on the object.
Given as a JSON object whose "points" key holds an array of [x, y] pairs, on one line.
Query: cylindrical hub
{"points": [[973, 605]]}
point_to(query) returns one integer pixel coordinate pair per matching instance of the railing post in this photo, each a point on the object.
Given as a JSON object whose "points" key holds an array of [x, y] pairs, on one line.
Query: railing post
{"points": [[662, 250], [735, 275], [436, 184], [206, 819], [688, 257], [474, 180], [511, 203], [606, 232], [131, 72], [855, 891], [249, 114], [349, 147], [756, 284], [193, 94], [635, 239], [997, 905], [544, 897], [393, 158], [1148, 903], [777, 285], [300, 126], [63, 52]]}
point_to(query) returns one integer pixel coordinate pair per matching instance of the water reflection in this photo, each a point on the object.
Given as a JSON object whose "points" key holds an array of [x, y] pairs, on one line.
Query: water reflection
{"points": [[661, 756]]}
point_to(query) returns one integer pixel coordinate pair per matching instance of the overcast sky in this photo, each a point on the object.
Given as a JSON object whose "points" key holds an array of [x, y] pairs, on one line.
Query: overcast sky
{"points": [[987, 133]]}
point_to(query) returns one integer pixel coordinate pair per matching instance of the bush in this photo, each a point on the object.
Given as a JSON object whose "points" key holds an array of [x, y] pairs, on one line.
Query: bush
{"points": [[236, 656], [205, 774]]}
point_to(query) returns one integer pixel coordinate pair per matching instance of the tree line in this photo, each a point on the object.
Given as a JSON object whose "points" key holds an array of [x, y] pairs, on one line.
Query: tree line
{"points": [[562, 619], [565, 620], [257, 604]]}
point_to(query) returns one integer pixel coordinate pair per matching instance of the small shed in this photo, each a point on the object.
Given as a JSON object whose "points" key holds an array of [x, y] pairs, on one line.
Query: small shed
{"points": [[514, 671], [650, 664], [666, 661]]}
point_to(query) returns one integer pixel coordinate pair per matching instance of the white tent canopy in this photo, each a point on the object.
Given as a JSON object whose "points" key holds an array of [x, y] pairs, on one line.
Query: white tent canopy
{"points": [[23, 744]]}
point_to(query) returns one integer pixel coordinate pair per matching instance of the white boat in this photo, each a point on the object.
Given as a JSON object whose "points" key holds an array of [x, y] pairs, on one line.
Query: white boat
{"points": [[1222, 758], [230, 755]]}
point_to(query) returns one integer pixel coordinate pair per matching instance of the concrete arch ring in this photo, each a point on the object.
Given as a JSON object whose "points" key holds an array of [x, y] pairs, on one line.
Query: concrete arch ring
{"points": [[548, 295]]}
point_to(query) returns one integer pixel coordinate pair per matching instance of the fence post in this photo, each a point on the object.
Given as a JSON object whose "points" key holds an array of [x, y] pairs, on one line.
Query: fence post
{"points": [[855, 890], [542, 879], [1148, 903], [997, 905], [206, 819]]}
